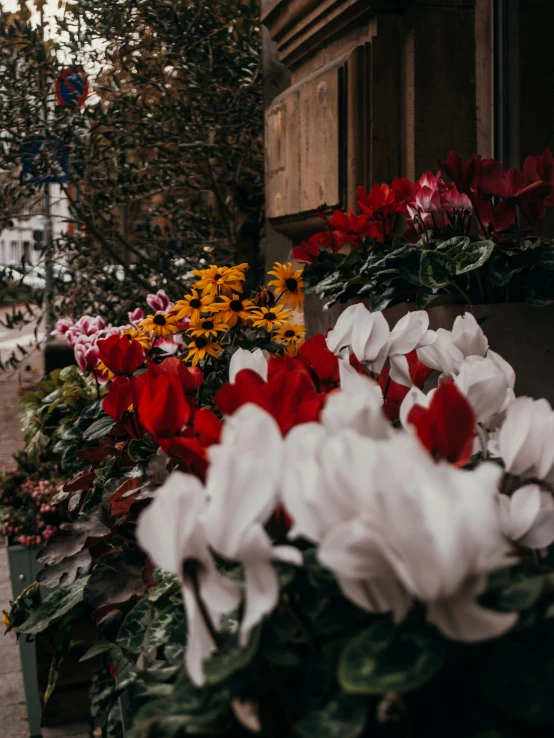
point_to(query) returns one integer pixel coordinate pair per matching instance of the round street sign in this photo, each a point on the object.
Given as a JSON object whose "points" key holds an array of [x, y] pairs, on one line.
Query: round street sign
{"points": [[72, 88]]}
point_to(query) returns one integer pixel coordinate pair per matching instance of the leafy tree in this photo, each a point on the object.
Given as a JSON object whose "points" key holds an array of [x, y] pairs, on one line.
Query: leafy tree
{"points": [[163, 166]]}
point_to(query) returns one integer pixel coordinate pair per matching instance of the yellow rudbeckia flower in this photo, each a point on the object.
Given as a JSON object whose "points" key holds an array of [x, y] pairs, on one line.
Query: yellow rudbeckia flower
{"points": [[288, 284], [192, 305], [270, 318], [201, 347], [160, 325]]}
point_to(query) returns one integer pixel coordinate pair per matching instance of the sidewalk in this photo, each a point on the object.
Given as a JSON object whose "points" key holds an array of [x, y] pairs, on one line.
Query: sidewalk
{"points": [[13, 711]]}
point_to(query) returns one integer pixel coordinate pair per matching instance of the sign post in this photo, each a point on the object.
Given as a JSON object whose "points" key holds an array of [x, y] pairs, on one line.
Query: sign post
{"points": [[72, 88]]}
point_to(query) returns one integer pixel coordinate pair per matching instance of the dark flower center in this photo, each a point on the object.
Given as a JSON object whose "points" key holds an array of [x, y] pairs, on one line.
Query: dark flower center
{"points": [[236, 305], [207, 325], [200, 342], [159, 320], [270, 316], [196, 303], [128, 337], [292, 284], [290, 334]]}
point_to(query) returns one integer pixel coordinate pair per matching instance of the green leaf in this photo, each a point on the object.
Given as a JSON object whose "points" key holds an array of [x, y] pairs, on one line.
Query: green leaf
{"points": [[436, 269], [527, 593], [174, 649], [473, 256], [502, 266], [99, 428], [138, 451], [453, 245], [53, 674], [344, 716], [132, 632], [161, 627], [518, 677], [96, 649], [391, 658], [167, 583], [231, 658], [54, 607]]}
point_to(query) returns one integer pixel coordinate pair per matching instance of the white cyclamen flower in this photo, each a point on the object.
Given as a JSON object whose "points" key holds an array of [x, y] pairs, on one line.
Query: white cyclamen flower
{"points": [[242, 486], [489, 387], [525, 441], [358, 405], [411, 332], [361, 332], [324, 476], [442, 355], [468, 336], [368, 337], [432, 531], [243, 359], [171, 531], [527, 517]]}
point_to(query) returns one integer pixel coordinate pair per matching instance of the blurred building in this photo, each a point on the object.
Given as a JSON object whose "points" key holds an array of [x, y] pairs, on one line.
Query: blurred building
{"points": [[24, 240], [361, 91]]}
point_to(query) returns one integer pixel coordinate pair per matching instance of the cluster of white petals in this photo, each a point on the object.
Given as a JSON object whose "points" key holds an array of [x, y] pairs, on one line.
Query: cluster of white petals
{"points": [[367, 335], [228, 515], [394, 525]]}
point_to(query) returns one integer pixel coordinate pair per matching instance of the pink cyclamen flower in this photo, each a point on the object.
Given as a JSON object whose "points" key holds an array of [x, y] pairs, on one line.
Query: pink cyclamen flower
{"points": [[62, 326], [86, 356], [136, 315], [159, 302]]}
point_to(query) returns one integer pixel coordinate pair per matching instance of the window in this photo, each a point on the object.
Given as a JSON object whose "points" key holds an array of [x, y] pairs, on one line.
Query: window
{"points": [[2, 253], [27, 252], [14, 254]]}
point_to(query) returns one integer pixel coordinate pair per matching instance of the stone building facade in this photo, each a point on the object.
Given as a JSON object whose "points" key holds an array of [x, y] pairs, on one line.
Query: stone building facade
{"points": [[361, 91]]}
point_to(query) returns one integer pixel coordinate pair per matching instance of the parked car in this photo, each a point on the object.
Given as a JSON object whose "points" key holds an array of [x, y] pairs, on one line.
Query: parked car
{"points": [[34, 278]]}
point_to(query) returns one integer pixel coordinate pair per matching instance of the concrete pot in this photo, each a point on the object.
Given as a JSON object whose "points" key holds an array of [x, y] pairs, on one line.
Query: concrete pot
{"points": [[521, 333]]}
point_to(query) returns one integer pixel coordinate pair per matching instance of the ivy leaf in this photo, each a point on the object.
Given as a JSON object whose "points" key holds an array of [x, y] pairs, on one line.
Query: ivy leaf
{"points": [[162, 626], [344, 716], [391, 658], [54, 607], [436, 270], [473, 256], [132, 632]]}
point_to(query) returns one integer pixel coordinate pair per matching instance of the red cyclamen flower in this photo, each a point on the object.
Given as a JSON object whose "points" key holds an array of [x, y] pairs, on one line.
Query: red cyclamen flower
{"points": [[447, 427], [121, 354]]}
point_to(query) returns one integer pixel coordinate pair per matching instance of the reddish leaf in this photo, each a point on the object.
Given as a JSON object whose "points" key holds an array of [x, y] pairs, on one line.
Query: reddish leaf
{"points": [[80, 481]]}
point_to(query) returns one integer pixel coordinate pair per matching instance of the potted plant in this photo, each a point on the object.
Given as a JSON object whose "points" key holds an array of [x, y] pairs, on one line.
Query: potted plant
{"points": [[28, 518], [473, 243]]}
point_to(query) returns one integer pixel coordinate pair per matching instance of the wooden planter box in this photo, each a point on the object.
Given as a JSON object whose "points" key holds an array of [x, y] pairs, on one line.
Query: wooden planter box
{"points": [[521, 333], [70, 702], [23, 572]]}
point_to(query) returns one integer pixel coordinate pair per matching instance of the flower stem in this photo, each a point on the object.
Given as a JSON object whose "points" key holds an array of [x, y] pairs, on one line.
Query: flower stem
{"points": [[191, 568], [462, 292]]}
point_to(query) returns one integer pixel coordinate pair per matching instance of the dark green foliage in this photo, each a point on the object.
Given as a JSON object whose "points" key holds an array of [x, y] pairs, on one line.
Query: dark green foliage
{"points": [[460, 270]]}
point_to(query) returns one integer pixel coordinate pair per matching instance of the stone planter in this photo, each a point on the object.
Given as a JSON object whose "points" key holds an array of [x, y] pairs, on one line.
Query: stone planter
{"points": [[521, 333], [23, 572]]}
